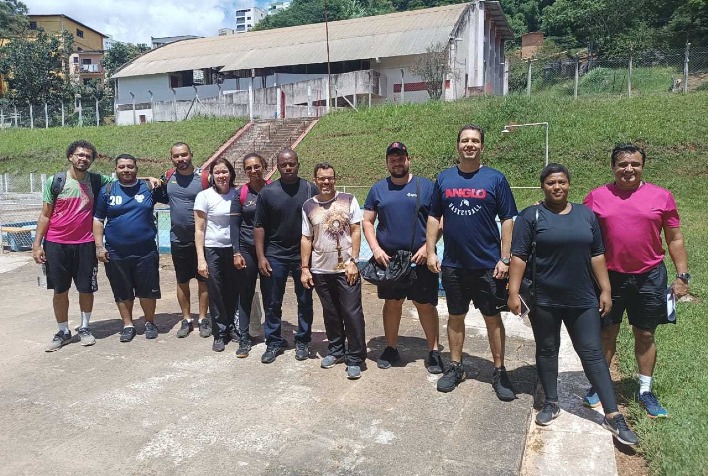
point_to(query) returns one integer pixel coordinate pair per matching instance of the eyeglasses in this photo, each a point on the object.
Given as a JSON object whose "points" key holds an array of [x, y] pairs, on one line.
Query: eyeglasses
{"points": [[253, 167]]}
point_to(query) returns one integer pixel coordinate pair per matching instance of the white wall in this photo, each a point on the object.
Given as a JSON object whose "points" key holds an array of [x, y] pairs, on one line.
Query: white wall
{"points": [[126, 118], [139, 85]]}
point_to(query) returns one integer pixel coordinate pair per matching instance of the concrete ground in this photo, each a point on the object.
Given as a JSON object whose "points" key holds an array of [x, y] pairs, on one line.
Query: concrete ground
{"points": [[172, 406]]}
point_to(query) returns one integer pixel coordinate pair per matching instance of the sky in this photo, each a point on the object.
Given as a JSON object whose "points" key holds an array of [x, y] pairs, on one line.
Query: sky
{"points": [[135, 21]]}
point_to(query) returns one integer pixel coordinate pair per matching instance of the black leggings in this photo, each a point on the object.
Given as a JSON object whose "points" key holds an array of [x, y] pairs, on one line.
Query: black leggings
{"points": [[583, 327], [246, 279]]}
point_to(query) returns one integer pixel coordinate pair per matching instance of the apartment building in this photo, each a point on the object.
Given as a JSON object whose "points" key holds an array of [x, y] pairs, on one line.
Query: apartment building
{"points": [[247, 18], [275, 7]]}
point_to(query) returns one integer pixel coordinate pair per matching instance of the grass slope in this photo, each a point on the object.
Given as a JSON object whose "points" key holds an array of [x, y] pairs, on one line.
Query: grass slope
{"points": [[43, 150], [582, 133]]}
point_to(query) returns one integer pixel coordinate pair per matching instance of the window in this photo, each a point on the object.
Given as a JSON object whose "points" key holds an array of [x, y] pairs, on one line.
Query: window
{"points": [[86, 61], [87, 81], [33, 25], [76, 60], [248, 18], [79, 33]]}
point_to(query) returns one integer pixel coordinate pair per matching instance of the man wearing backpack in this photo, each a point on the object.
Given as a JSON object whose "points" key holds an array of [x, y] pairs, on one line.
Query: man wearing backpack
{"points": [[69, 253], [183, 182]]}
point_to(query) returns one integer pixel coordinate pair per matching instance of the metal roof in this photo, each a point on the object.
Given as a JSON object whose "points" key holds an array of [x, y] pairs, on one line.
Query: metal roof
{"points": [[381, 36]]}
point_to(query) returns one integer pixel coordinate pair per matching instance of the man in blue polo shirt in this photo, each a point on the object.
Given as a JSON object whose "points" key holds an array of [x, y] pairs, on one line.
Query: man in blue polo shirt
{"points": [[468, 198]]}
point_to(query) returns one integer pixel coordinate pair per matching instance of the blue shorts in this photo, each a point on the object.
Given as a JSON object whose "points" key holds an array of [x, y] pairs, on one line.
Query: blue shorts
{"points": [[133, 277]]}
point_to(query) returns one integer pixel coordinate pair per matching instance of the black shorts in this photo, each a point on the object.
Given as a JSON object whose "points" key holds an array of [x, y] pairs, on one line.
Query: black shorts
{"points": [[479, 286], [184, 258], [134, 277], [67, 262], [642, 295], [424, 289]]}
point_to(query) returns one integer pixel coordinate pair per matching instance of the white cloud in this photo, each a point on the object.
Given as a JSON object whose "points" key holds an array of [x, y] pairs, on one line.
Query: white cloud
{"points": [[135, 21]]}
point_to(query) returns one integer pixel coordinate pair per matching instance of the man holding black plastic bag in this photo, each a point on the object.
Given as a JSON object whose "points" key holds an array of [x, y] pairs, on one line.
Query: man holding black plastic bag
{"points": [[401, 203]]}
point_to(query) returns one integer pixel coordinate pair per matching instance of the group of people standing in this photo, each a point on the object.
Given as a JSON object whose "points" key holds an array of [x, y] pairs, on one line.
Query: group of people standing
{"points": [[228, 237]]}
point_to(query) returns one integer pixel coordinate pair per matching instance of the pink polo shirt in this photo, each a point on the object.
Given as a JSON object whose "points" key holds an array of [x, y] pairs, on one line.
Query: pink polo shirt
{"points": [[631, 224]]}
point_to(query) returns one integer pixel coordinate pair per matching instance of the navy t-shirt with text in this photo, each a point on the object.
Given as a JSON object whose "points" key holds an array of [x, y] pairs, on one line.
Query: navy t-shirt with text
{"points": [[469, 204]]}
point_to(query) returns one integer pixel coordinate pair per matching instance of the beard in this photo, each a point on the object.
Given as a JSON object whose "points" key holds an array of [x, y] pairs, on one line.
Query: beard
{"points": [[399, 174]]}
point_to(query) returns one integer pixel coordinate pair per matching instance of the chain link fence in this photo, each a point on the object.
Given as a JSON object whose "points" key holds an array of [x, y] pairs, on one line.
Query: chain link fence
{"points": [[637, 73], [79, 113], [20, 204]]}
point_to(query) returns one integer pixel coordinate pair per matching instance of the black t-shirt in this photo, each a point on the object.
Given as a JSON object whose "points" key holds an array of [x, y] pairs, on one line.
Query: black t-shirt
{"points": [[279, 213], [564, 246], [242, 215]]}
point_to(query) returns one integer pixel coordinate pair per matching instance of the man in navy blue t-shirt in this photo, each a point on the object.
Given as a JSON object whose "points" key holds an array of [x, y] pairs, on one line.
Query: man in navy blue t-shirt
{"points": [[393, 201], [468, 198]]}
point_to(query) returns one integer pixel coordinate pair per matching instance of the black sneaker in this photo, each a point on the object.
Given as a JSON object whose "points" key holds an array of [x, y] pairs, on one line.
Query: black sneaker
{"points": [[454, 375], [618, 427], [59, 340], [434, 364], [205, 327], [302, 351], [185, 328], [272, 351], [218, 345], [548, 413], [244, 347], [502, 385], [388, 358], [127, 334], [150, 330]]}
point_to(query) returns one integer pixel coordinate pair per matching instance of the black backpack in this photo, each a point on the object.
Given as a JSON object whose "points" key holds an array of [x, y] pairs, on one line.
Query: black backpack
{"points": [[59, 181]]}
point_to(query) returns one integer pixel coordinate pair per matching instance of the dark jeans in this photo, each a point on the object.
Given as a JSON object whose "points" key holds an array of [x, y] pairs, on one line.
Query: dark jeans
{"points": [[583, 327], [343, 316], [273, 290], [221, 284], [246, 279]]}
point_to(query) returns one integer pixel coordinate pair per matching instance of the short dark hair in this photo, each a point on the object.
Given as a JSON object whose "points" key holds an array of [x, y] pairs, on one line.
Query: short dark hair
{"points": [[264, 163], [180, 144], [82, 144], [627, 149], [324, 166], [228, 164], [554, 169], [287, 150], [127, 157], [471, 127]]}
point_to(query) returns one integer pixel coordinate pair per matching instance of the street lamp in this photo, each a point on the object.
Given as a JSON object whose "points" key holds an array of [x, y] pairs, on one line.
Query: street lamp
{"points": [[509, 127]]}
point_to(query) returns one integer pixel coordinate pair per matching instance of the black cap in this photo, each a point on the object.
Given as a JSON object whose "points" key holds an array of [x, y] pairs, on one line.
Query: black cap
{"points": [[397, 146]]}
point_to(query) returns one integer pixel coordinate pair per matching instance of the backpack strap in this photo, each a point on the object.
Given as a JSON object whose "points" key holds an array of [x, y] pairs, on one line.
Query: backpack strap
{"points": [[169, 174], [243, 195], [58, 183], [95, 183], [206, 179]]}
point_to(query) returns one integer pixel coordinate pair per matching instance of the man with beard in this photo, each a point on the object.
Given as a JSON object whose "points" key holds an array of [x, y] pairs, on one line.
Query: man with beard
{"points": [[401, 203], [183, 183], [277, 228], [130, 253], [69, 252], [331, 236]]}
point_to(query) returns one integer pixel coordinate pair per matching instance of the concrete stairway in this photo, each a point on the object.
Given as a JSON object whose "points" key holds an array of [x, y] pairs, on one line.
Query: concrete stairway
{"points": [[266, 137]]}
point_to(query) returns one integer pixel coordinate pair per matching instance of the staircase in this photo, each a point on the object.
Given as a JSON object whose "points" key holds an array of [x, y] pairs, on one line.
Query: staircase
{"points": [[266, 137]]}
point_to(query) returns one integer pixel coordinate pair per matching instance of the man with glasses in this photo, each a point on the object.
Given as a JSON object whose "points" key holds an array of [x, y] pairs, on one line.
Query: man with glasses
{"points": [[331, 238], [69, 253]]}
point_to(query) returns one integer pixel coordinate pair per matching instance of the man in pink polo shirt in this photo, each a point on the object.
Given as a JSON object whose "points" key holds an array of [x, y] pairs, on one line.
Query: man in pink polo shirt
{"points": [[632, 214]]}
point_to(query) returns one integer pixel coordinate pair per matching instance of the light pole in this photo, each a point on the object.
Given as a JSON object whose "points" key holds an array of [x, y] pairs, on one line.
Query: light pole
{"points": [[508, 128]]}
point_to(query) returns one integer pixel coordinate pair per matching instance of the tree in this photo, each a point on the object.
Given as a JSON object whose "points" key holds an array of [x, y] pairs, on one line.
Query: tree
{"points": [[433, 67], [13, 19], [37, 69], [121, 54]]}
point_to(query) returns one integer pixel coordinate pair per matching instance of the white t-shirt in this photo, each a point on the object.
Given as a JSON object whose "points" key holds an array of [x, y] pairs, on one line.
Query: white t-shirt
{"points": [[218, 216]]}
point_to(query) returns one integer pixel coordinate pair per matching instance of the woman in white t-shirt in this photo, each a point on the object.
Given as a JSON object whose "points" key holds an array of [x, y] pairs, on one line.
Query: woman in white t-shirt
{"points": [[212, 217]]}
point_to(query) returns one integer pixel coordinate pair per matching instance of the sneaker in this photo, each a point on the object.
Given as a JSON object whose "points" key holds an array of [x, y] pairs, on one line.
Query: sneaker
{"points": [[218, 345], [185, 328], [618, 427], [302, 351], [205, 327], [434, 364], [86, 337], [272, 351], [150, 330], [502, 385], [244, 347], [330, 361], [353, 372], [548, 413], [234, 335], [60, 340], [652, 406], [388, 358], [127, 334], [454, 374], [591, 399]]}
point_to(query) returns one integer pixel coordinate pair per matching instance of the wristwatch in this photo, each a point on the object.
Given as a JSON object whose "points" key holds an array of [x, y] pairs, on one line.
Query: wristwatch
{"points": [[352, 260], [685, 277], [506, 261]]}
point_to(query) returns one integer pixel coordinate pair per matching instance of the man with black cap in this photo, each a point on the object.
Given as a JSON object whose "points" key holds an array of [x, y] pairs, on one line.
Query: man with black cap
{"points": [[401, 203]]}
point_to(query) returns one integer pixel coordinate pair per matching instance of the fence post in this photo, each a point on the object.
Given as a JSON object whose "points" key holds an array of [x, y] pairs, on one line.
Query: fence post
{"points": [[7, 183], [81, 113], [31, 116], [31, 182], [46, 116], [403, 88], [43, 180], [528, 78], [16, 116], [685, 69], [577, 76], [250, 102], [98, 118], [62, 113], [629, 75]]}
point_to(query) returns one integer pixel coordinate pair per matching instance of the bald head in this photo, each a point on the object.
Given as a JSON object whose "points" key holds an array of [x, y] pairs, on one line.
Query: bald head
{"points": [[288, 165]]}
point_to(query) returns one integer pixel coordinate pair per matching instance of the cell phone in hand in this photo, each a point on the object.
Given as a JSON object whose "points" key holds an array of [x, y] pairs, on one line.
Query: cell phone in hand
{"points": [[524, 308]]}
